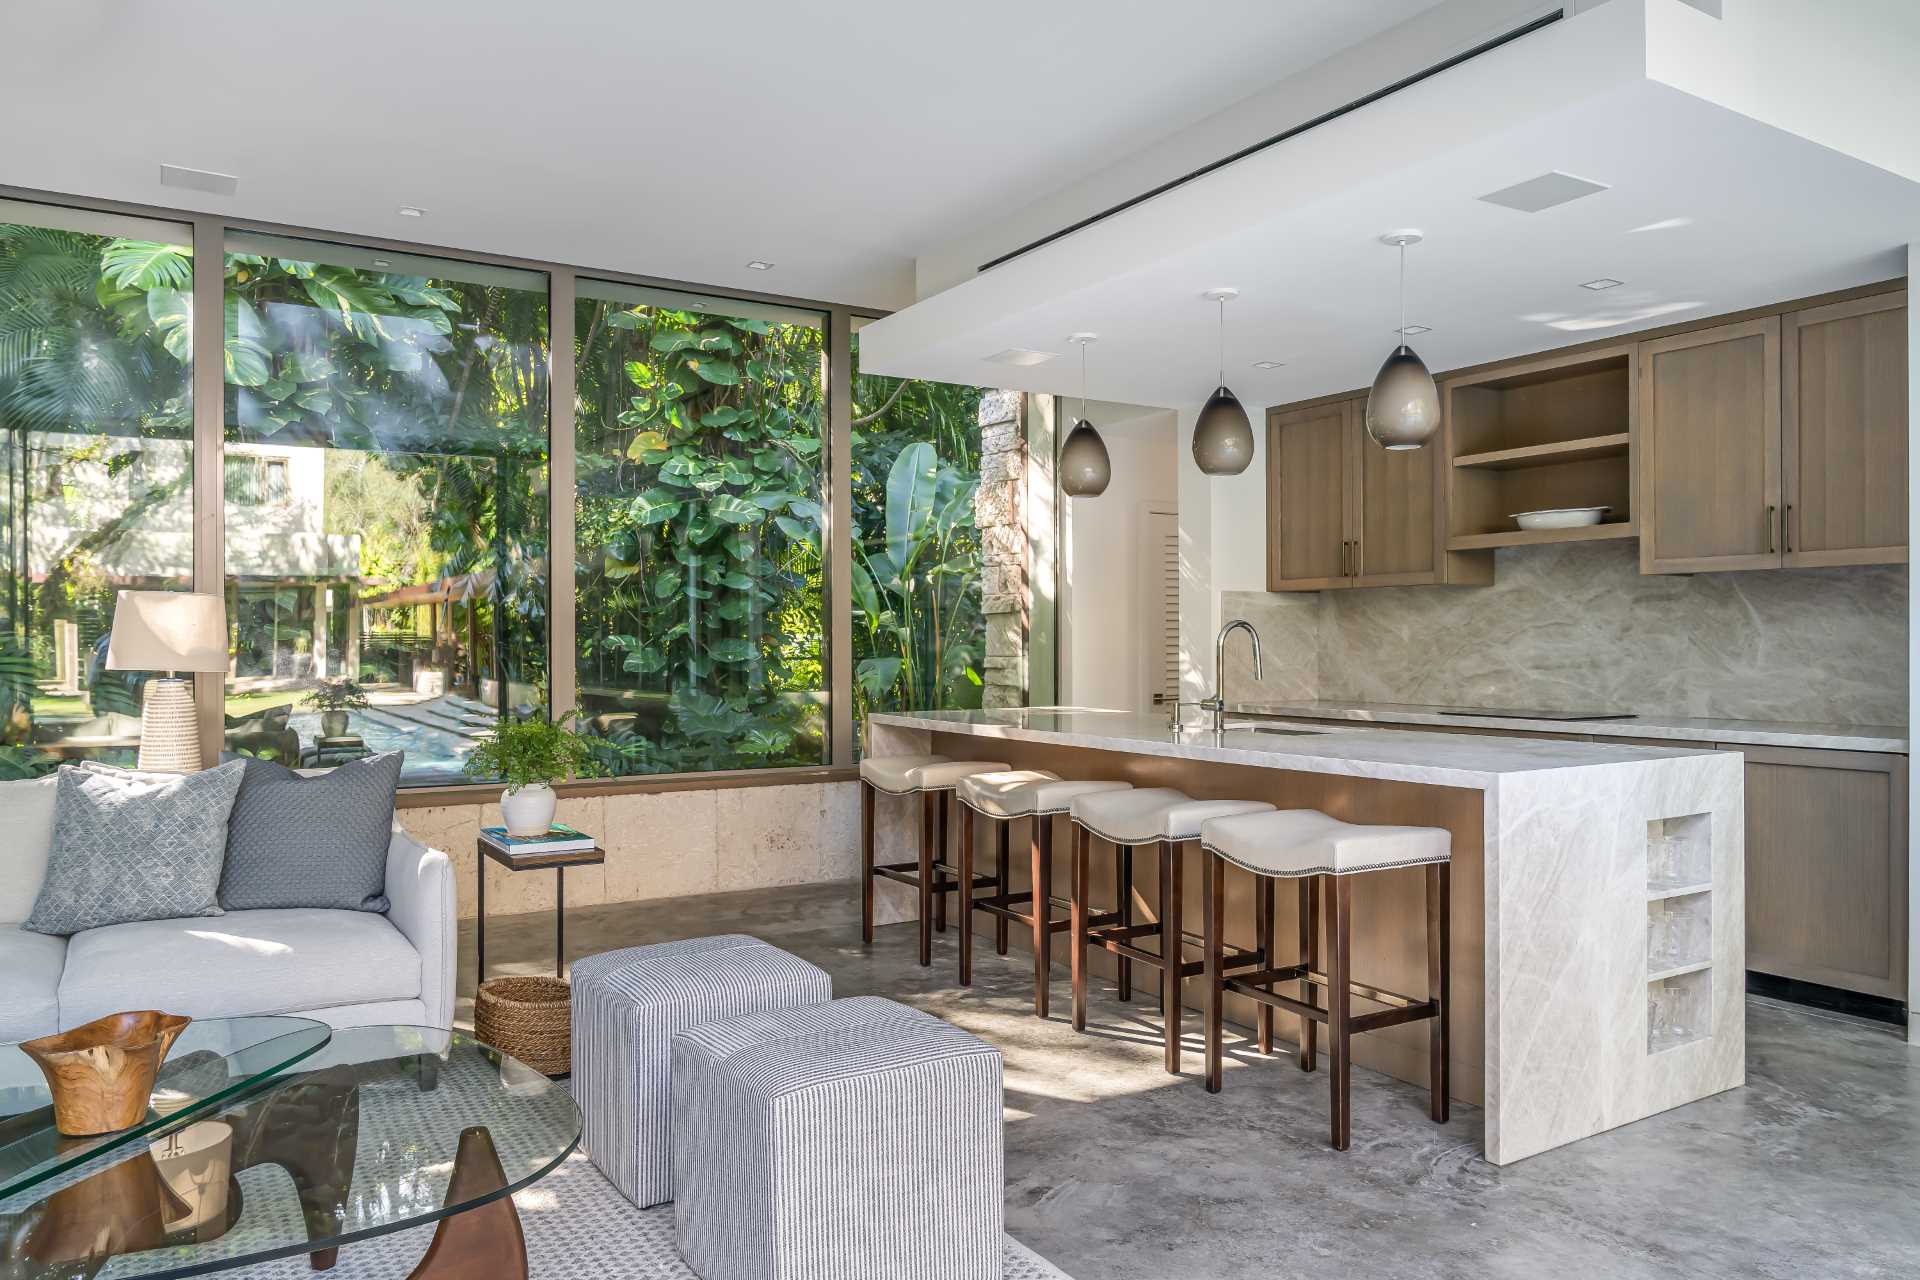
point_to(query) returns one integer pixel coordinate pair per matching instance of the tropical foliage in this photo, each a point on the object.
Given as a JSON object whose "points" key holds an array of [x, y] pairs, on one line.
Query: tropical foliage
{"points": [[532, 752], [700, 454]]}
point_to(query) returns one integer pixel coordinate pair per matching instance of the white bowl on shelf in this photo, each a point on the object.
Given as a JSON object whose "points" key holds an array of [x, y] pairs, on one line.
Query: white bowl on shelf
{"points": [[1560, 517]]}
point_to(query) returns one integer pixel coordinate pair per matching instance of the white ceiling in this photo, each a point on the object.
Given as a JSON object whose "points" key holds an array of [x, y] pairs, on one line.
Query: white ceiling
{"points": [[1708, 210], [835, 140]]}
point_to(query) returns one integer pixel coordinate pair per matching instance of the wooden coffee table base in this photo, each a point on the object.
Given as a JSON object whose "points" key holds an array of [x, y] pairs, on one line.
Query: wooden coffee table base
{"points": [[485, 1242]]}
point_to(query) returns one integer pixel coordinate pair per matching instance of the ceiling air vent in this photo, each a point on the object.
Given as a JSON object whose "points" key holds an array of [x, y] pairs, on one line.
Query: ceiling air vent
{"points": [[219, 184], [1543, 192]]}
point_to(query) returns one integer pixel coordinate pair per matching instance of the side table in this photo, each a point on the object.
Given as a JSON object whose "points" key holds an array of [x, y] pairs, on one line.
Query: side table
{"points": [[528, 862]]}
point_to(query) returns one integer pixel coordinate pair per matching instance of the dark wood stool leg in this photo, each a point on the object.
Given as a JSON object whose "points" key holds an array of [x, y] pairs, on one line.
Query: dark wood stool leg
{"points": [[1042, 915], [1213, 899], [1002, 845], [1263, 928], [940, 855], [1309, 956], [1077, 939], [926, 878], [1439, 964], [1123, 892], [1172, 948], [866, 862], [966, 896], [1339, 1006]]}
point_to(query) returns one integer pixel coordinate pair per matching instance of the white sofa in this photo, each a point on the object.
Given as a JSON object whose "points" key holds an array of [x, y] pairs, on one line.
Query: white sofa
{"points": [[345, 968]]}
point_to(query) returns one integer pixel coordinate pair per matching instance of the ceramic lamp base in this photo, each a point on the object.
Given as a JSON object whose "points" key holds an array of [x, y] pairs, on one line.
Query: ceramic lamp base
{"points": [[169, 728]]}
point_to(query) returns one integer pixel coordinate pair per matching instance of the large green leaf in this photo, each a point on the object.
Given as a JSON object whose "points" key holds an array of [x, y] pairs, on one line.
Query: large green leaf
{"points": [[655, 506], [144, 264], [718, 372], [910, 488], [877, 675], [172, 314]]}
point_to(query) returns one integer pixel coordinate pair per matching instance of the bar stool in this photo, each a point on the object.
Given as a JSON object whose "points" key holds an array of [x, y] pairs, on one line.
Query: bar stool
{"points": [[1324, 854], [1001, 798], [1168, 819], [933, 778]]}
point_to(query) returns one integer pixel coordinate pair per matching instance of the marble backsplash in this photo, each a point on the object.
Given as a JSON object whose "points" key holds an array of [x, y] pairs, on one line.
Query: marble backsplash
{"points": [[1578, 628]]}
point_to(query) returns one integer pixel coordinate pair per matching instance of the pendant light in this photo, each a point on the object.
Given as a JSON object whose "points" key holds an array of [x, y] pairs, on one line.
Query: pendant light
{"points": [[1085, 468], [1403, 408], [1222, 437]]}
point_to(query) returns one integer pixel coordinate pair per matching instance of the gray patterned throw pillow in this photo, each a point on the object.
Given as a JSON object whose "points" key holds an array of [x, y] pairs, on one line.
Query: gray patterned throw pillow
{"points": [[134, 846], [318, 841]]}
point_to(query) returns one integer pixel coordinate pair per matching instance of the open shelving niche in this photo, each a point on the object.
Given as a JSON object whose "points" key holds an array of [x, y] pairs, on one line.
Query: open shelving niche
{"points": [[1679, 931], [1553, 433]]}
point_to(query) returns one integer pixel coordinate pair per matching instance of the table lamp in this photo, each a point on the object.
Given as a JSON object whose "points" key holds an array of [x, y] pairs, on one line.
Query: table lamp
{"points": [[170, 631]]}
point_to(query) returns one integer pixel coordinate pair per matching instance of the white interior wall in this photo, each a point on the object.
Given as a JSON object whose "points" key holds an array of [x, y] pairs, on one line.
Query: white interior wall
{"points": [[1105, 572], [1223, 522], [1913, 660]]}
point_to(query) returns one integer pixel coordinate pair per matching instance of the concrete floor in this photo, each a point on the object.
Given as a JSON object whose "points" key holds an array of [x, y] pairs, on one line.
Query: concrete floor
{"points": [[1117, 1171]]}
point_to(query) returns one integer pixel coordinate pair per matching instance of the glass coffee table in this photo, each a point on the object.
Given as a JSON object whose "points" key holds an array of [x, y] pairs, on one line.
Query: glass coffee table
{"points": [[382, 1129], [214, 1059]]}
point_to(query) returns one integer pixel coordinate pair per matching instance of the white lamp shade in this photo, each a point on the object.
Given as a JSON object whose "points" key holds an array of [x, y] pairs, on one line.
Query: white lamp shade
{"points": [[168, 631]]}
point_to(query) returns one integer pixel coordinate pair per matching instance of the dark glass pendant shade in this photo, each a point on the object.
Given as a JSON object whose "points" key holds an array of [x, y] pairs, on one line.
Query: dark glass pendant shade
{"points": [[1085, 468], [1222, 437], [1403, 409]]}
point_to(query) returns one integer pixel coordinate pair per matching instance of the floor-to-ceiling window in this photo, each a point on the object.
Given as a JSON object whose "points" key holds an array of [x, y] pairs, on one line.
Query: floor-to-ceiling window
{"points": [[96, 468], [919, 637], [386, 500], [700, 594]]}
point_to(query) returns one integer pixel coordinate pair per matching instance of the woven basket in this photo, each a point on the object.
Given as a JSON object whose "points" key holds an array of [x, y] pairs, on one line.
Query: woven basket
{"points": [[527, 1018]]}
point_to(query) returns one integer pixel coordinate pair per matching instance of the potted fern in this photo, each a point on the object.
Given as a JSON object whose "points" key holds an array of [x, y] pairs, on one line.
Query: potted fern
{"points": [[529, 756], [333, 699]]}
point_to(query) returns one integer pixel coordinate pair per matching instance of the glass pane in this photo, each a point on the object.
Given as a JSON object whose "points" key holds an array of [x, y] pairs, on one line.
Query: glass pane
{"points": [[699, 610], [919, 637], [386, 503], [96, 468]]}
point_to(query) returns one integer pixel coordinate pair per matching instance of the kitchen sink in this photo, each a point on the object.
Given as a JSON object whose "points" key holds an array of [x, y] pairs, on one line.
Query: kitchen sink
{"points": [[1274, 729]]}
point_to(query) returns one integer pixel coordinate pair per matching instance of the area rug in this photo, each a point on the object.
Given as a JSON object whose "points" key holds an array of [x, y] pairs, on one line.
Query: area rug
{"points": [[577, 1225]]}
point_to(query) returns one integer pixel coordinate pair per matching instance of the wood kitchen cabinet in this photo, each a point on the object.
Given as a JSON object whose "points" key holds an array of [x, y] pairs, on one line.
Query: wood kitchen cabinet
{"points": [[1710, 439], [1344, 512], [1844, 429], [1777, 443], [1827, 867]]}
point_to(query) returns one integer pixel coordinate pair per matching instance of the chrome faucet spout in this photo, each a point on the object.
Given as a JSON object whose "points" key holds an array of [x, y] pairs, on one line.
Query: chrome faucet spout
{"points": [[1218, 702]]}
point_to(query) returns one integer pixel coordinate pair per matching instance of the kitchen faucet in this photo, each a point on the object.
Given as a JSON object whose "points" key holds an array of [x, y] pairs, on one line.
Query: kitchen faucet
{"points": [[1217, 704]]}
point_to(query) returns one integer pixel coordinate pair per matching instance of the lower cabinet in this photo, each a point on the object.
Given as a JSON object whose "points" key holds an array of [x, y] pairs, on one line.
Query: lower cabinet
{"points": [[1827, 867]]}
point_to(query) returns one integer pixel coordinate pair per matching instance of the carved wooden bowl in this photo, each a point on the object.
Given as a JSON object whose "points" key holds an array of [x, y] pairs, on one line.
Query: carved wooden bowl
{"points": [[101, 1073]]}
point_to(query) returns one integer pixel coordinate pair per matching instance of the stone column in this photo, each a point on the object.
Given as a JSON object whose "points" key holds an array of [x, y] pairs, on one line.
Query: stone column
{"points": [[1000, 511]]}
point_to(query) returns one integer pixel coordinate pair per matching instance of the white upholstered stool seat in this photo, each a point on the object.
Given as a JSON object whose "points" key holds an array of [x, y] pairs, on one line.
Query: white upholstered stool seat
{"points": [[1306, 842], [1019, 793], [889, 773], [1151, 814]]}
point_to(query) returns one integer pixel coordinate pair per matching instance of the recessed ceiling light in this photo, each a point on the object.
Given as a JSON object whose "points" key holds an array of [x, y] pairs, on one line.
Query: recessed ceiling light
{"points": [[412, 211], [381, 262], [1602, 283], [1268, 364], [757, 265], [1413, 329], [1022, 357]]}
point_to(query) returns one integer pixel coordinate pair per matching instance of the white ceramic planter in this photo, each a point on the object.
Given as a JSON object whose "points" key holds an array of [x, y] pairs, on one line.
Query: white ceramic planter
{"points": [[333, 724], [528, 811]]}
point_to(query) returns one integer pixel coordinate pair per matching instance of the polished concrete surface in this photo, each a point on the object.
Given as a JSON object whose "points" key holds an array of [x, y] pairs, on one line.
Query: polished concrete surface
{"points": [[1118, 1171]]}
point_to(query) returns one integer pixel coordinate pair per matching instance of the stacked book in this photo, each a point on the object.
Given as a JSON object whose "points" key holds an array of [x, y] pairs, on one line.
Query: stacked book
{"points": [[558, 838]]}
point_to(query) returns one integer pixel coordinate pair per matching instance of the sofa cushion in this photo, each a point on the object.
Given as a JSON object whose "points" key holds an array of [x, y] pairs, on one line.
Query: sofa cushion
{"points": [[244, 962], [29, 998], [321, 841], [25, 838], [129, 846]]}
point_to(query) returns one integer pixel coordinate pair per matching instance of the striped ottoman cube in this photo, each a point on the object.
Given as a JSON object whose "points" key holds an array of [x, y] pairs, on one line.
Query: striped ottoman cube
{"points": [[857, 1140], [627, 1005]]}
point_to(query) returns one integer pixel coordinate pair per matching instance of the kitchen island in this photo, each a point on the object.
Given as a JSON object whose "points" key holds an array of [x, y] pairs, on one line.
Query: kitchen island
{"points": [[1597, 893]]}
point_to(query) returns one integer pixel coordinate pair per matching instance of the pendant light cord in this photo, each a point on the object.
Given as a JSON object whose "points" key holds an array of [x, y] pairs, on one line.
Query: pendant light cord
{"points": [[1401, 333], [1083, 381], [1223, 342]]}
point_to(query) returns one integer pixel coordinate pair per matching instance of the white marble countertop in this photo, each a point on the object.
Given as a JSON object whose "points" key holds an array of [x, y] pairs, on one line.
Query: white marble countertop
{"points": [[1441, 759], [1759, 733]]}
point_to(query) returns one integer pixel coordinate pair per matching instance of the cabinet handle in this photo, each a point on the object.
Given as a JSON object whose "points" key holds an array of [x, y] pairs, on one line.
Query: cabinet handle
{"points": [[1359, 560], [1773, 543], [1343, 557], [1786, 528]]}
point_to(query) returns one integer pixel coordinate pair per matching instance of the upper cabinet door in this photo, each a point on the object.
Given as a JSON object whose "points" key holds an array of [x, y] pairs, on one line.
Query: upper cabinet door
{"points": [[1396, 530], [1845, 425], [1309, 539], [1710, 444]]}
